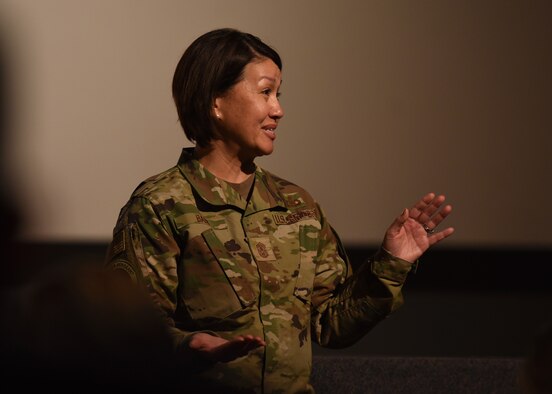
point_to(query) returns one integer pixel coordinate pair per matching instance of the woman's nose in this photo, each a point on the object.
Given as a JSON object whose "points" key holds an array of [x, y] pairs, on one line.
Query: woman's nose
{"points": [[276, 111]]}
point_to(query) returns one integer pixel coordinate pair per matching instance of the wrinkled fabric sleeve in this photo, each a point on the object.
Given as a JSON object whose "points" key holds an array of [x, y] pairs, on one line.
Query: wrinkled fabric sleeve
{"points": [[144, 247], [346, 305]]}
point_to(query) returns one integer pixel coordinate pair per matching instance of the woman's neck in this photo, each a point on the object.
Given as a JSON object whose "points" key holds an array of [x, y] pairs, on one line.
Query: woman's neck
{"points": [[224, 165]]}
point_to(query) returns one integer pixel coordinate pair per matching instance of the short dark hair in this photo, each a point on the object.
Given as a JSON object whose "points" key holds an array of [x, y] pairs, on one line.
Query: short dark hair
{"points": [[209, 67]]}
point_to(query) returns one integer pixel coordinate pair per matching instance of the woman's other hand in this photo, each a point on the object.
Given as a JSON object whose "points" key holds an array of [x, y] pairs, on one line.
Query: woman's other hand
{"points": [[218, 349], [413, 232]]}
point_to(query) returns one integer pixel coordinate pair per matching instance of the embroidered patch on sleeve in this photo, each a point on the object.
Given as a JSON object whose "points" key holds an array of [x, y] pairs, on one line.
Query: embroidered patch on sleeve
{"points": [[118, 244], [124, 266]]}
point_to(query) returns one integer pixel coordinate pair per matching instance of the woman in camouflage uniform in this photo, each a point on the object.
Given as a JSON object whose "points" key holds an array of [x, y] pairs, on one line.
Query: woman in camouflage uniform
{"points": [[244, 264]]}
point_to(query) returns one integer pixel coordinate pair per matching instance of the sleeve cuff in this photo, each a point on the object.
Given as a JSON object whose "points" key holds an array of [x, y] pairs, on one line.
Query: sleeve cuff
{"points": [[387, 266]]}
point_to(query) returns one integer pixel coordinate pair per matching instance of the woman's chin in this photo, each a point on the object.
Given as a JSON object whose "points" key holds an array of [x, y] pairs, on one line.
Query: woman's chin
{"points": [[265, 151]]}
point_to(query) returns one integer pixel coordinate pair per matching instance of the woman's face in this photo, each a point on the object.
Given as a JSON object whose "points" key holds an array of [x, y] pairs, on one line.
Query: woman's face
{"points": [[248, 114]]}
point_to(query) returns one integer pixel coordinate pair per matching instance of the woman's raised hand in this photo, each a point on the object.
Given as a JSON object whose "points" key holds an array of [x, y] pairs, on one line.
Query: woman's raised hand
{"points": [[413, 232]]}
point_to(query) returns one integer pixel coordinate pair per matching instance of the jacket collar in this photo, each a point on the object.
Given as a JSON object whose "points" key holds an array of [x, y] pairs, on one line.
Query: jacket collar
{"points": [[215, 191]]}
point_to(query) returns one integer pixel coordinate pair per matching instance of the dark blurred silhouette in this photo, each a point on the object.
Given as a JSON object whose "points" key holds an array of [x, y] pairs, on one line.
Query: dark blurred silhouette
{"points": [[70, 325], [84, 326], [9, 214]]}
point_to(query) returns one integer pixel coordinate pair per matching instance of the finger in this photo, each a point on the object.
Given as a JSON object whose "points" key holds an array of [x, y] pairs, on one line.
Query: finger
{"points": [[254, 341], [439, 216], [420, 206], [260, 341], [230, 350], [426, 214], [437, 237], [248, 342], [251, 346]]}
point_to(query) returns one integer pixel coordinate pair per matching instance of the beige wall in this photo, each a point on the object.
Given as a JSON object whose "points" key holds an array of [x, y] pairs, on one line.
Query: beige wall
{"points": [[384, 101]]}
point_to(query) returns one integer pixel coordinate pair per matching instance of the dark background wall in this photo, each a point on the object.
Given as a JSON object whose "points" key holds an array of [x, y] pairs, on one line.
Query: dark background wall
{"points": [[467, 302], [460, 302]]}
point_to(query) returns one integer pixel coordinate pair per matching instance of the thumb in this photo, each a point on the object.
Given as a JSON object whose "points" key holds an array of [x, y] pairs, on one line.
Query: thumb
{"points": [[398, 222], [401, 219]]}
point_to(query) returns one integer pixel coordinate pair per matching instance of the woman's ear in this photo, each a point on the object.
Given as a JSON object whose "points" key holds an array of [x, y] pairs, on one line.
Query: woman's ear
{"points": [[216, 108]]}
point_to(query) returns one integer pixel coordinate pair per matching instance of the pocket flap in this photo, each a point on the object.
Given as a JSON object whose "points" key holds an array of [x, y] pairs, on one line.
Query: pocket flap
{"points": [[232, 270]]}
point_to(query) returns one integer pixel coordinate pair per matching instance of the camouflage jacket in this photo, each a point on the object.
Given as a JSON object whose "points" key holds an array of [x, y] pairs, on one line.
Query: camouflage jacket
{"points": [[270, 266]]}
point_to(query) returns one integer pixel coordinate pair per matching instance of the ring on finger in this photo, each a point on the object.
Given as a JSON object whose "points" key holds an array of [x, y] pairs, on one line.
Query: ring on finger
{"points": [[427, 229]]}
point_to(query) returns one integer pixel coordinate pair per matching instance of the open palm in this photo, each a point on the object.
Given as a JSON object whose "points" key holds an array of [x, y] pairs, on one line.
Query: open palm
{"points": [[413, 232]]}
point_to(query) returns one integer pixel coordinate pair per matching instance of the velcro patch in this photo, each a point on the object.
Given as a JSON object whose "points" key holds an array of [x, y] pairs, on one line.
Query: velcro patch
{"points": [[294, 217], [118, 243], [262, 249]]}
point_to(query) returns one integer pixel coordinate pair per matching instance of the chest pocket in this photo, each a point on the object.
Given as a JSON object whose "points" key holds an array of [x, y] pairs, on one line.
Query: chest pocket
{"points": [[308, 244], [211, 284]]}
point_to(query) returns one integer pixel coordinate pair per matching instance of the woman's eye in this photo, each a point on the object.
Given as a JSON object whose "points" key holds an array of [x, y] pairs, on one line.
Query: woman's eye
{"points": [[269, 92]]}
